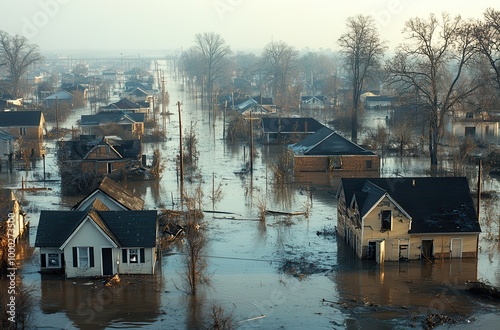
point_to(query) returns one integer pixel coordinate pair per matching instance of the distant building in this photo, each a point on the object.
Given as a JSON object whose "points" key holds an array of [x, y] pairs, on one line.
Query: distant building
{"points": [[288, 129]]}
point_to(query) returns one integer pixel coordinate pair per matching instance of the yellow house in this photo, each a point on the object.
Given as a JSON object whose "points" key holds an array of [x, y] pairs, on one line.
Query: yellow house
{"points": [[390, 219]]}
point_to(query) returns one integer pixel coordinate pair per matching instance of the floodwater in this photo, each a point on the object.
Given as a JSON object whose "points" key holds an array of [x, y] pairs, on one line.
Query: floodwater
{"points": [[325, 288]]}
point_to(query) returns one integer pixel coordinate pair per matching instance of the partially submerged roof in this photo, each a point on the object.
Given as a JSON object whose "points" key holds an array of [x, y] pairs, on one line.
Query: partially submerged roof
{"points": [[435, 205], [290, 125], [61, 96], [123, 104], [20, 118], [79, 149], [326, 142], [125, 228], [115, 117], [116, 192]]}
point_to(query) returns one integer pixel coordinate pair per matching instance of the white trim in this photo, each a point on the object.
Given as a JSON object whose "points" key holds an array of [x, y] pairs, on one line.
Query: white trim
{"points": [[87, 218]]}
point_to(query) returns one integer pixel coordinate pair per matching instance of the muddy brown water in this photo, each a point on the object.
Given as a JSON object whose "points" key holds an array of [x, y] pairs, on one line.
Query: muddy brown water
{"points": [[326, 288]]}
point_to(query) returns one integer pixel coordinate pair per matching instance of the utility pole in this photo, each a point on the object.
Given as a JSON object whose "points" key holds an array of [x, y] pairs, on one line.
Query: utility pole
{"points": [[479, 179], [181, 156], [57, 114]]}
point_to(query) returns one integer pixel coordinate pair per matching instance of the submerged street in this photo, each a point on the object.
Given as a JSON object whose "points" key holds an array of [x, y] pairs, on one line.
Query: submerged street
{"points": [[289, 272]]}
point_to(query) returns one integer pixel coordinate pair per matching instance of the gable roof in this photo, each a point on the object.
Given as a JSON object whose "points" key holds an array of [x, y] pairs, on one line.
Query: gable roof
{"points": [[61, 95], [115, 117], [126, 228], [79, 149], [326, 142], [123, 104], [320, 98], [116, 192], [435, 205], [20, 118], [290, 125]]}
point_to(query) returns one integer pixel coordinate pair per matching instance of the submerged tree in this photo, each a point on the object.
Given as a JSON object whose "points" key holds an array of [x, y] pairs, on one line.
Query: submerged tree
{"points": [[213, 49], [280, 63], [17, 55], [487, 35], [196, 243], [362, 51], [432, 63]]}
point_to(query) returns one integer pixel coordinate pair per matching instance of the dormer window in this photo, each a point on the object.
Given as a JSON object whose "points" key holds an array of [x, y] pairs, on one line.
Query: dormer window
{"points": [[386, 220]]}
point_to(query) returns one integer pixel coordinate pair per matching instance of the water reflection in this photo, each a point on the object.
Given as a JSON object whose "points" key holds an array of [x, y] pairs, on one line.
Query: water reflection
{"points": [[424, 288], [89, 304]]}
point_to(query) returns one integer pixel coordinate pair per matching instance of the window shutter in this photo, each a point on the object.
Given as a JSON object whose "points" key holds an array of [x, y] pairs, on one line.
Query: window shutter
{"points": [[124, 256], [75, 257], [63, 263], [142, 256], [43, 261], [91, 256]]}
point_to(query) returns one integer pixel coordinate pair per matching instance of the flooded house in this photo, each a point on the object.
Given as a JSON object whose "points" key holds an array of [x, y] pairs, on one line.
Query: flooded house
{"points": [[99, 156], [28, 128], [390, 219], [12, 215], [114, 196], [126, 124], [288, 129], [328, 154], [309, 102], [98, 242], [478, 125]]}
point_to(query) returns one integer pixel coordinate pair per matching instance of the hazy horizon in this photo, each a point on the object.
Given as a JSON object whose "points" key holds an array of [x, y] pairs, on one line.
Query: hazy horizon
{"points": [[129, 27]]}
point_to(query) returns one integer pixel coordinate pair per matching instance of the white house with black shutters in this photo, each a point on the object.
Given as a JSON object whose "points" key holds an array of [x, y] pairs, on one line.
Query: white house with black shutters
{"points": [[98, 243]]}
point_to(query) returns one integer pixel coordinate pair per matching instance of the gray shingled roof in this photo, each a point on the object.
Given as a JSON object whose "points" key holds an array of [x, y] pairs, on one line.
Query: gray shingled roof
{"points": [[20, 118], [326, 142], [117, 192], [290, 125], [127, 228], [436, 205]]}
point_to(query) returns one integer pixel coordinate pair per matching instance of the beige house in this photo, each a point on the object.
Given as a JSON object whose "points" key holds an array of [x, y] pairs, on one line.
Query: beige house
{"points": [[390, 219], [28, 128], [12, 215]]}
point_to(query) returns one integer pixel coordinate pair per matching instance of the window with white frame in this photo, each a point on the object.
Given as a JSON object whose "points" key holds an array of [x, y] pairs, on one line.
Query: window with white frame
{"points": [[53, 260], [133, 255], [83, 257]]}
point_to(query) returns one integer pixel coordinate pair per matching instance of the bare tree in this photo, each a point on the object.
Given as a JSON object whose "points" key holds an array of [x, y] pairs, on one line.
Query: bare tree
{"points": [[280, 62], [433, 62], [213, 49], [402, 132], [362, 51], [17, 55], [487, 34], [219, 319], [196, 243]]}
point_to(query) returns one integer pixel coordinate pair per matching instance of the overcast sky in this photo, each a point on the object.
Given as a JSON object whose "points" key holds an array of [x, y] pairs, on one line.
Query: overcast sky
{"points": [[138, 26]]}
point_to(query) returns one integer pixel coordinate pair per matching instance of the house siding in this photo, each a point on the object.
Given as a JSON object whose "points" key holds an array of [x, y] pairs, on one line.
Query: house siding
{"points": [[87, 236], [371, 231], [352, 163], [147, 267]]}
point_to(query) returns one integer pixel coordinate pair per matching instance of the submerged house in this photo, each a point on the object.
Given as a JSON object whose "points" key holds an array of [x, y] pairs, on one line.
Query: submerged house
{"points": [[12, 216], [98, 243], [28, 128], [286, 129], [102, 156], [125, 123], [390, 219], [326, 151], [112, 195]]}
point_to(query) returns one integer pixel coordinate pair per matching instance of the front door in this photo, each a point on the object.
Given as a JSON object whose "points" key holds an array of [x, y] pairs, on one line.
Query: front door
{"points": [[427, 247], [107, 261], [456, 248]]}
